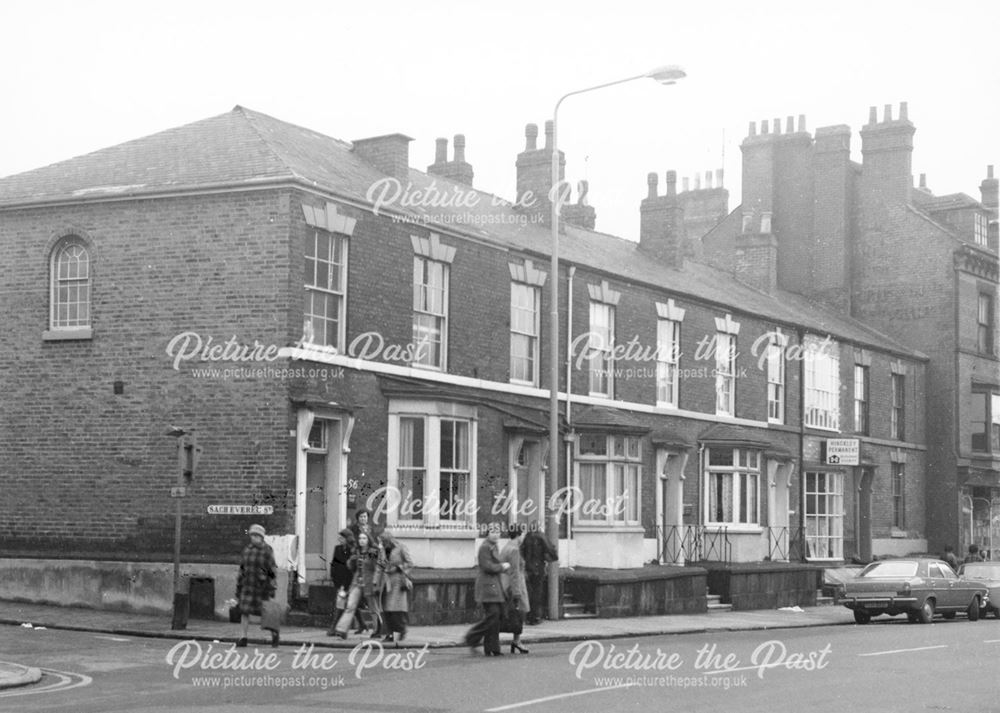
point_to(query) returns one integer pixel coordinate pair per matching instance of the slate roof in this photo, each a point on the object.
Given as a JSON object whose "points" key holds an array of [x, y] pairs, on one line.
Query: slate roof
{"points": [[246, 148]]}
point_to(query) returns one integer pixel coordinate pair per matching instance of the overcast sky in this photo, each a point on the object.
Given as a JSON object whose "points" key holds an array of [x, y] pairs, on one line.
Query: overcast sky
{"points": [[80, 76]]}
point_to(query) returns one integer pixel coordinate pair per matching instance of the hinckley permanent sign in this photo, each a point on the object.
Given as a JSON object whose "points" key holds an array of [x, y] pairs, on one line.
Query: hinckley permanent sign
{"points": [[240, 509], [843, 451]]}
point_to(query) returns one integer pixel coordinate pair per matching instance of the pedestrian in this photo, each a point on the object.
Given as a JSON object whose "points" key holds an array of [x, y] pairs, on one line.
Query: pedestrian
{"points": [[341, 574], [515, 590], [974, 554], [398, 588], [256, 582], [368, 569], [537, 552], [362, 523], [949, 557], [488, 593]]}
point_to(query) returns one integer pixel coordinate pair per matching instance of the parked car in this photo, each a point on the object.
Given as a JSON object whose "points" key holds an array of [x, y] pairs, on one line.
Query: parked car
{"points": [[917, 587], [989, 574]]}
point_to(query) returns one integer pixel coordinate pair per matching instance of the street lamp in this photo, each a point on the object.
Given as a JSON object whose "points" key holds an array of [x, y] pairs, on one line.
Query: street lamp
{"points": [[668, 74]]}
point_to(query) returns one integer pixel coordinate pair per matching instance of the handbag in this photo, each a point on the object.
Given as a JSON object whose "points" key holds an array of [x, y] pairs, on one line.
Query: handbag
{"points": [[341, 602], [510, 620], [271, 614]]}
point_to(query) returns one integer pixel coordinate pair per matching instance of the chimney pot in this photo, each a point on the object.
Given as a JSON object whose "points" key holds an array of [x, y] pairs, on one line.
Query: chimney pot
{"points": [[777, 125], [923, 180], [887, 113], [652, 182], [460, 148], [872, 115], [802, 122], [672, 183], [708, 179], [531, 137], [549, 130], [718, 177], [903, 111], [790, 125], [697, 181], [441, 151], [753, 128], [685, 184], [764, 127], [989, 171]]}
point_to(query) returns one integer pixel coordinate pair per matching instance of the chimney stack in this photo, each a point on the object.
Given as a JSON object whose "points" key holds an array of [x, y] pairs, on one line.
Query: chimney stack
{"points": [[887, 155], [455, 170], [580, 214], [988, 189], [390, 154], [661, 223], [534, 174]]}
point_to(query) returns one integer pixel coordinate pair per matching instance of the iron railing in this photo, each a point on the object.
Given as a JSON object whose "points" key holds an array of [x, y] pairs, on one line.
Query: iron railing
{"points": [[677, 544]]}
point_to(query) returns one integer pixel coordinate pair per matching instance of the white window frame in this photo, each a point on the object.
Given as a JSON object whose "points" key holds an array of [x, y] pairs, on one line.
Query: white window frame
{"points": [[433, 414], [822, 383], [776, 378], [77, 283], [622, 458], [668, 346], [742, 476], [725, 374], [824, 529], [312, 289], [862, 399], [517, 331], [600, 349], [423, 309]]}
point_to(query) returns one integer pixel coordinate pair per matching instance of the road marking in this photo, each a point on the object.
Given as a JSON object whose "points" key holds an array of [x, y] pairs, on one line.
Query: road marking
{"points": [[992, 641], [905, 651], [111, 638], [558, 696], [65, 682]]}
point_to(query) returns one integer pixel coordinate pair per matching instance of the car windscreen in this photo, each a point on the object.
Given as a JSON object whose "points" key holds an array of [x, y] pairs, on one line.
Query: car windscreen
{"points": [[890, 569], [981, 571]]}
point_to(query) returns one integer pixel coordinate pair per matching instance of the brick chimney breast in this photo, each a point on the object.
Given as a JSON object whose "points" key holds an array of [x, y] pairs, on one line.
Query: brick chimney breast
{"points": [[534, 174], [457, 169], [390, 154], [887, 154]]}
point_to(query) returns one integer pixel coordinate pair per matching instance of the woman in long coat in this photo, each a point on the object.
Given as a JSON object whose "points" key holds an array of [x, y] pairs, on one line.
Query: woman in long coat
{"points": [[368, 564], [256, 582], [397, 593], [489, 593], [515, 585]]}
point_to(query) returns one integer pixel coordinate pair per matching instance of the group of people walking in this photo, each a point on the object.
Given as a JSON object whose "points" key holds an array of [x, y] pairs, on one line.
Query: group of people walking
{"points": [[373, 569], [371, 573], [502, 586]]}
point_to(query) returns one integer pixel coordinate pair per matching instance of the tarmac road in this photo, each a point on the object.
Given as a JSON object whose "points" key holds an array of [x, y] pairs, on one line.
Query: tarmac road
{"points": [[886, 666]]}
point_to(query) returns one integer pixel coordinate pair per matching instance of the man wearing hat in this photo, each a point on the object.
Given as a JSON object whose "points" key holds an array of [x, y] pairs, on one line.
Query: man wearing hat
{"points": [[256, 583]]}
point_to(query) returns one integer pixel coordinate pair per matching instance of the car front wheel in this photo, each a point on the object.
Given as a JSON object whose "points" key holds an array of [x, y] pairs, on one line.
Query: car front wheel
{"points": [[926, 613], [973, 610], [862, 617]]}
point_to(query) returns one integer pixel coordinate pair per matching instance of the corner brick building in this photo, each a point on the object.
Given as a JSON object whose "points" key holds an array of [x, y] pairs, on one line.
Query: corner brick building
{"points": [[334, 341]]}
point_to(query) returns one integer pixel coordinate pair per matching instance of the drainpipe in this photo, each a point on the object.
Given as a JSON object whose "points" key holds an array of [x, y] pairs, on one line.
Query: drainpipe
{"points": [[802, 441], [569, 391]]}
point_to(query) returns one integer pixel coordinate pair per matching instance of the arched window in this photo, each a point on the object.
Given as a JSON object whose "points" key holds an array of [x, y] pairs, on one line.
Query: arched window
{"points": [[70, 285]]}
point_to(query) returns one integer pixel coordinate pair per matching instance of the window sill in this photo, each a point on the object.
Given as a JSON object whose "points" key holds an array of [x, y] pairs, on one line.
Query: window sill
{"points": [[64, 335], [583, 526]]}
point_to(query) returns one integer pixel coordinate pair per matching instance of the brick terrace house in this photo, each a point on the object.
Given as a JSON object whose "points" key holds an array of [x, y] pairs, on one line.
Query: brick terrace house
{"points": [[334, 341], [923, 268]]}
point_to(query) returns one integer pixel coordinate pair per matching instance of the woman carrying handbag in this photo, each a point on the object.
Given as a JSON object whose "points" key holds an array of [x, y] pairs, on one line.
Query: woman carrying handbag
{"points": [[398, 588], [256, 586], [515, 587]]}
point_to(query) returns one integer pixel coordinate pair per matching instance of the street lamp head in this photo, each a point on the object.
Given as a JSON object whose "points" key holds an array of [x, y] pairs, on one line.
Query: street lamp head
{"points": [[667, 74]]}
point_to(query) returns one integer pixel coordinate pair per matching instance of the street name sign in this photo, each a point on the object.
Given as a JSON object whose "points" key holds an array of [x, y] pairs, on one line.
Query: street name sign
{"points": [[240, 509]]}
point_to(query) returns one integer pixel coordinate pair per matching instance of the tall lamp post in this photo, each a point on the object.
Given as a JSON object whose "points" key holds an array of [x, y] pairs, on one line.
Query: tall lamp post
{"points": [[669, 74]]}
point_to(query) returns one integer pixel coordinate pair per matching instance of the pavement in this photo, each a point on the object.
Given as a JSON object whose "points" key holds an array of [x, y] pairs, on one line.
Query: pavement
{"points": [[158, 626]]}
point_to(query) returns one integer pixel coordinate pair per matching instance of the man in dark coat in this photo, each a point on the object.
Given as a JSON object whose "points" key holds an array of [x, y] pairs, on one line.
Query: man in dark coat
{"points": [[536, 553], [489, 593]]}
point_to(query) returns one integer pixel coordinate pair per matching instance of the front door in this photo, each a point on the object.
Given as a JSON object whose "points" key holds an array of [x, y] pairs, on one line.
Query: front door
{"points": [[528, 485], [321, 506]]}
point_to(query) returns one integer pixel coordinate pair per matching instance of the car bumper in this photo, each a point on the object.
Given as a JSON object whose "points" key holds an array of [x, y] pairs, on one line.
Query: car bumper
{"points": [[879, 603]]}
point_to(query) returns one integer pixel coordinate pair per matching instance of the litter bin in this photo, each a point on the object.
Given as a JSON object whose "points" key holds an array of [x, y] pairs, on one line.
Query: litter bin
{"points": [[201, 598]]}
